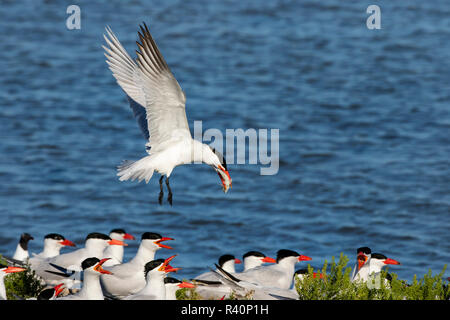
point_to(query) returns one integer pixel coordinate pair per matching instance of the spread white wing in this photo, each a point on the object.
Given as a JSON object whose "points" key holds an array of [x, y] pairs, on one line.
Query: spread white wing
{"points": [[150, 84]]}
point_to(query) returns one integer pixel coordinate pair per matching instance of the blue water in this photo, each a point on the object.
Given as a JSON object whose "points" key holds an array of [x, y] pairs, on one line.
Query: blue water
{"points": [[363, 115]]}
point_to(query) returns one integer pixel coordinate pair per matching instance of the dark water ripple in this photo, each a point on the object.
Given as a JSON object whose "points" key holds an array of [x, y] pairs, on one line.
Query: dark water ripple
{"points": [[363, 117]]}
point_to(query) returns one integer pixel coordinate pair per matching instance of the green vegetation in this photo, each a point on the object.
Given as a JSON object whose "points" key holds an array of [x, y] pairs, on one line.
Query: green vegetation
{"points": [[336, 285], [23, 284]]}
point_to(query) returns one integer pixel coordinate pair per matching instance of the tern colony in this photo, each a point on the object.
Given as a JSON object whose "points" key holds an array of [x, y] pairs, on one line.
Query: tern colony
{"points": [[97, 270]]}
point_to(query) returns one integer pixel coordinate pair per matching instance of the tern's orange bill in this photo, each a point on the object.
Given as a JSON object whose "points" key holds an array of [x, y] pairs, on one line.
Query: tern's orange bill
{"points": [[269, 260], [391, 261], [304, 258], [13, 270], [115, 242], [68, 243], [166, 267], [98, 267], [237, 261], [186, 285], [361, 258], [158, 242], [58, 289], [128, 236]]}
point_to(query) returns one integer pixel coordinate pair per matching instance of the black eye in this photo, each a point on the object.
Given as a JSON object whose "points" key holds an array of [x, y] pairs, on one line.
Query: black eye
{"points": [[222, 160]]}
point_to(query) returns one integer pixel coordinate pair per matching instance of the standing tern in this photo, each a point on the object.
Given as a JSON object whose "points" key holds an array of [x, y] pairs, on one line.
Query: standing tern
{"points": [[208, 286], [5, 270], [173, 285], [246, 290], [115, 253], [91, 289], [95, 244], [153, 90], [53, 242], [361, 269], [127, 277], [227, 262], [253, 259], [279, 275], [154, 273], [21, 253]]}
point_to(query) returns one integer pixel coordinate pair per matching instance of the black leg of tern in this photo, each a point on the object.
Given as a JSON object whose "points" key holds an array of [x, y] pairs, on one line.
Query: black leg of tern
{"points": [[161, 192], [169, 197]]}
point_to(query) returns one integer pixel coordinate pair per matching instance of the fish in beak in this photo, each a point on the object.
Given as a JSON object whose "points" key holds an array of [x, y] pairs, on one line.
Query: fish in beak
{"points": [[224, 176]]}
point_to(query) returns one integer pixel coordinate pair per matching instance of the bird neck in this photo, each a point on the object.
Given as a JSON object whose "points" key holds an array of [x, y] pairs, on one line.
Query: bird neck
{"points": [[171, 292], [50, 251], [2, 287], [144, 255], [91, 289], [155, 286], [20, 254], [115, 252]]}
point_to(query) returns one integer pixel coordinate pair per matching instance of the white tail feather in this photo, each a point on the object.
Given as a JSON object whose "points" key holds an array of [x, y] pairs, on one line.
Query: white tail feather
{"points": [[132, 170]]}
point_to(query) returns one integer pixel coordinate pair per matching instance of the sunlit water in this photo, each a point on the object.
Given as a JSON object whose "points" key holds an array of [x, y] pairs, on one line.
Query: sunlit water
{"points": [[363, 118]]}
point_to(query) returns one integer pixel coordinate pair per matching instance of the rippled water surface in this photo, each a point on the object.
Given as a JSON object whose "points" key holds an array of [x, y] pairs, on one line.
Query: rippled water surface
{"points": [[363, 117]]}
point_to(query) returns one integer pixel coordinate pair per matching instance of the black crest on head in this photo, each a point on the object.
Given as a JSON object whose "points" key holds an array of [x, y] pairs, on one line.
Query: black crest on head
{"points": [[55, 236], [24, 238], [89, 262], [301, 271], [151, 236], [365, 250], [46, 294], [254, 254], [149, 266], [97, 235], [171, 280], [378, 256], [224, 258], [119, 231], [222, 160], [284, 253], [2, 266]]}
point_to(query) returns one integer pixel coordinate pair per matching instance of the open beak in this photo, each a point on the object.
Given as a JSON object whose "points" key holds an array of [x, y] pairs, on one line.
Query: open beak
{"points": [[98, 267], [362, 258], [115, 242], [269, 260], [68, 243], [158, 242], [58, 289], [237, 261], [304, 258], [13, 270], [186, 285], [225, 178], [166, 267], [391, 261], [128, 236]]}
